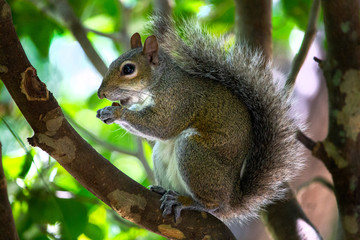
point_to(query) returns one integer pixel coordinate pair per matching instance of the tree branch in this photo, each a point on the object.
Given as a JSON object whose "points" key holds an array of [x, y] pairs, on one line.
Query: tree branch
{"points": [[320, 180], [7, 224], [54, 134], [61, 11], [304, 48], [164, 7], [253, 24], [286, 220], [116, 37], [123, 28], [317, 148]]}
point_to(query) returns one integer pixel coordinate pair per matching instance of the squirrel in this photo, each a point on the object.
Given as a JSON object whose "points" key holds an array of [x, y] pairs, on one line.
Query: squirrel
{"points": [[225, 138]]}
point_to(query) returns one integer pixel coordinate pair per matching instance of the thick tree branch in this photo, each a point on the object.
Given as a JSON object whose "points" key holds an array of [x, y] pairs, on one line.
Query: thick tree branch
{"points": [[7, 224], [342, 73], [54, 134]]}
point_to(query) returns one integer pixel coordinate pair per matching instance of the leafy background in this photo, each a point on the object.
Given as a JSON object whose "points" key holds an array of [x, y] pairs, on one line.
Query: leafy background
{"points": [[47, 202]]}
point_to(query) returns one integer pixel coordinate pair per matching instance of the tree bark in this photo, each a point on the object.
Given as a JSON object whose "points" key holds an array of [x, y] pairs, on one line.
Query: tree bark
{"points": [[253, 24], [7, 223], [54, 134], [342, 72], [163, 7]]}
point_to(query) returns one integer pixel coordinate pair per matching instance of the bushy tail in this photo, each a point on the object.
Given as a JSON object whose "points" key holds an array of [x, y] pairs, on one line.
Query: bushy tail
{"points": [[276, 155]]}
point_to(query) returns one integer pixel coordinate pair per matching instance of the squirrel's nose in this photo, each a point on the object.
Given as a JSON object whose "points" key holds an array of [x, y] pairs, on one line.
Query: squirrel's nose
{"points": [[100, 94]]}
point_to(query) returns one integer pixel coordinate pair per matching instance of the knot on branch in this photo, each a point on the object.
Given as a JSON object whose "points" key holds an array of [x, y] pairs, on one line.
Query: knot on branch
{"points": [[32, 87]]}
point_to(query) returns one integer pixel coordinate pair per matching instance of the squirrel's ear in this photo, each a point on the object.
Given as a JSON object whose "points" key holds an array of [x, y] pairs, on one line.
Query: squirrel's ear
{"points": [[151, 49], [135, 41]]}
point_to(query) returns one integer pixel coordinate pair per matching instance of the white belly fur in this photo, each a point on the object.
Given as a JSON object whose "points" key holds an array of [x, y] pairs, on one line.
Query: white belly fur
{"points": [[166, 167]]}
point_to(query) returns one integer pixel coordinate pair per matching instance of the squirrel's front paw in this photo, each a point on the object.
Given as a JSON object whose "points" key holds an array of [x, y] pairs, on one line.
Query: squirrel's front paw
{"points": [[109, 114]]}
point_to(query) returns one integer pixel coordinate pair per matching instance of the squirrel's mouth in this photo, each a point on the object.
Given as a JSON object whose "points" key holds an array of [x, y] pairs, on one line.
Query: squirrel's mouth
{"points": [[124, 101]]}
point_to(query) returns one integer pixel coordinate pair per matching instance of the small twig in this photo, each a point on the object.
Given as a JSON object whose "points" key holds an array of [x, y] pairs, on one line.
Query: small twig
{"points": [[64, 14], [305, 46], [116, 37], [139, 154], [123, 28], [319, 61], [317, 148], [305, 140], [320, 180]]}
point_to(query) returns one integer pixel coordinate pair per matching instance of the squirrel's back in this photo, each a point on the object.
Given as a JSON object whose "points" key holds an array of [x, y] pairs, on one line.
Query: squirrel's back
{"points": [[276, 156]]}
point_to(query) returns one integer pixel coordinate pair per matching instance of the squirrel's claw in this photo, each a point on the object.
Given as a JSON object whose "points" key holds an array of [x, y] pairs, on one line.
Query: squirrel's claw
{"points": [[158, 189], [107, 114], [169, 202]]}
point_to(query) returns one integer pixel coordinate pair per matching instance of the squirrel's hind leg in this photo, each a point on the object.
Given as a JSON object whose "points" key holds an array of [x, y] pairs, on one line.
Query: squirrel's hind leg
{"points": [[208, 175]]}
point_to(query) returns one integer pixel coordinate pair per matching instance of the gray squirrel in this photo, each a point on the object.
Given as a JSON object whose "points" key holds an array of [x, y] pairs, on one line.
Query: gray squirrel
{"points": [[225, 140]]}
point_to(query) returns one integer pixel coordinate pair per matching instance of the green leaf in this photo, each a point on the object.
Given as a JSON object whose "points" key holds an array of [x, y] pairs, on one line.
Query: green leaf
{"points": [[94, 232], [41, 236], [93, 101], [30, 22], [28, 160], [29, 156], [65, 181], [43, 208], [298, 10], [75, 218]]}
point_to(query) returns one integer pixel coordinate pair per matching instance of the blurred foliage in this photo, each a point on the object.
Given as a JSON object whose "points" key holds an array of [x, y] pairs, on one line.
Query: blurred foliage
{"points": [[47, 202]]}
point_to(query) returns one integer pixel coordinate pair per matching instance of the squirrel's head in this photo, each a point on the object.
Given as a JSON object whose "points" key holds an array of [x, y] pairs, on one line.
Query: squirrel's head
{"points": [[129, 76]]}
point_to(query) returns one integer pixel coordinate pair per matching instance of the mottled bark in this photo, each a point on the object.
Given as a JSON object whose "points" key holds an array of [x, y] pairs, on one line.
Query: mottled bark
{"points": [[54, 134], [342, 72]]}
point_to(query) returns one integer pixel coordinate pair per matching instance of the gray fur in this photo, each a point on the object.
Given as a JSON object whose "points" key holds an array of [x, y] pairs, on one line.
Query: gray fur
{"points": [[276, 156]]}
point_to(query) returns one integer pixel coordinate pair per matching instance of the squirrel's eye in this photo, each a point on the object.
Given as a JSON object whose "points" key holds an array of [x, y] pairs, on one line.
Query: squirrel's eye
{"points": [[128, 69]]}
